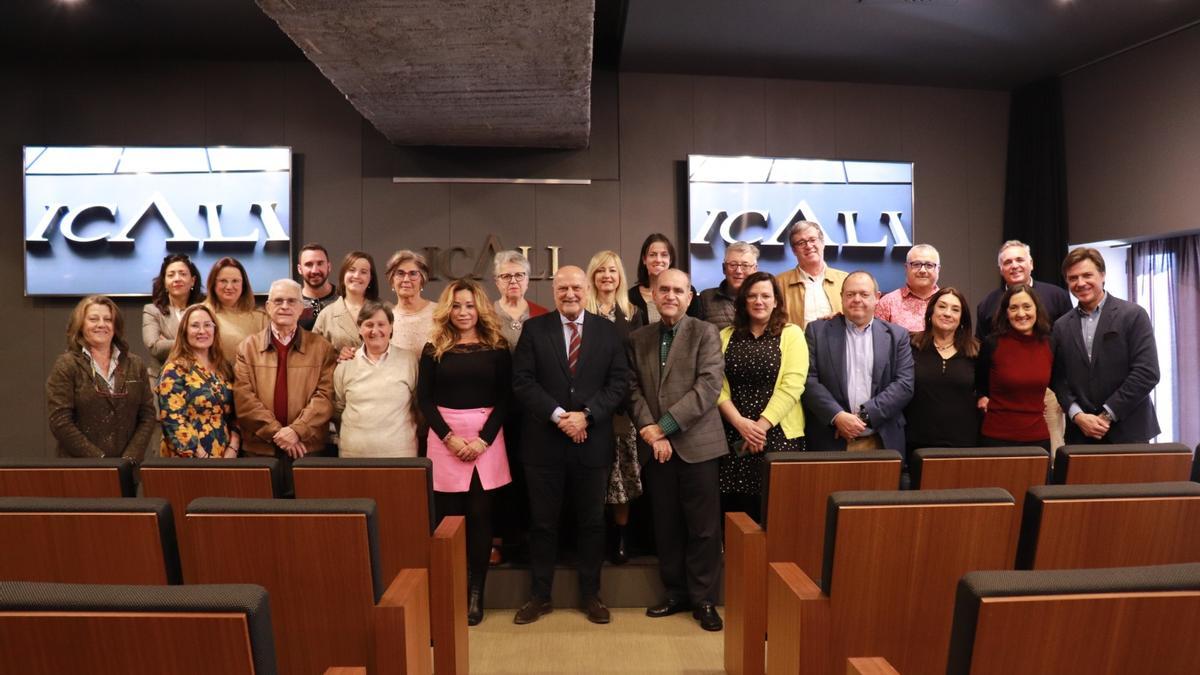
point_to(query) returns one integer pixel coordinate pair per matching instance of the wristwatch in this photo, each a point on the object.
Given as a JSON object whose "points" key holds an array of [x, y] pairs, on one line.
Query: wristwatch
{"points": [[1105, 416], [864, 415], [587, 415]]}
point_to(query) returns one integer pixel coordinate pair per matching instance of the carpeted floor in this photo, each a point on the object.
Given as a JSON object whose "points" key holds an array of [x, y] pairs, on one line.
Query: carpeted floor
{"points": [[564, 643]]}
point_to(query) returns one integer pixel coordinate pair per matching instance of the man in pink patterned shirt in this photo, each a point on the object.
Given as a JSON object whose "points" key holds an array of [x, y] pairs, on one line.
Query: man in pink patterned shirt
{"points": [[906, 305]]}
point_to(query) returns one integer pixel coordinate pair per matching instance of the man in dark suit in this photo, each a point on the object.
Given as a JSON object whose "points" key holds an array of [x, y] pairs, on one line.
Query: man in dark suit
{"points": [[860, 375], [570, 375], [678, 370], [1105, 360]]}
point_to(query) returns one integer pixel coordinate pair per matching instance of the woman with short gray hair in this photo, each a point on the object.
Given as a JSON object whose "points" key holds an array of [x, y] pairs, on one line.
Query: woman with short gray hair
{"points": [[407, 272], [511, 272]]}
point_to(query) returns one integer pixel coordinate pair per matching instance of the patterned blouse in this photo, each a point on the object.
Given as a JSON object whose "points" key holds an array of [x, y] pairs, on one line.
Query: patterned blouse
{"points": [[195, 408]]}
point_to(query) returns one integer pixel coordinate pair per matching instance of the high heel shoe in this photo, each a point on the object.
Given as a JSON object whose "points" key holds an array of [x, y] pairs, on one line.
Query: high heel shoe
{"points": [[475, 602], [620, 555]]}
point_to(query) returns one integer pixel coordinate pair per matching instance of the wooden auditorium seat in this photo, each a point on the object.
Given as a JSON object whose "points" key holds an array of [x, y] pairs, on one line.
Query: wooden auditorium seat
{"points": [[66, 477], [892, 561], [88, 541], [1196, 465], [1110, 525], [796, 486], [403, 492], [1128, 463], [61, 629], [1122, 621], [319, 559], [1015, 469], [179, 480]]}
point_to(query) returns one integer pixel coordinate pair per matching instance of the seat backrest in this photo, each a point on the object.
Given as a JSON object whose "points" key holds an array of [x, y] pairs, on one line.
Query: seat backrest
{"points": [[179, 480], [88, 541], [1015, 469], [403, 492], [1125, 463], [892, 561], [796, 488], [1110, 525], [49, 629], [66, 477], [1196, 465], [1077, 622], [318, 558]]}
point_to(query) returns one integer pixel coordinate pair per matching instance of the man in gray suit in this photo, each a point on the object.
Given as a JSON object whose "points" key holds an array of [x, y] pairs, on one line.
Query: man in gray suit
{"points": [[678, 370], [860, 376]]}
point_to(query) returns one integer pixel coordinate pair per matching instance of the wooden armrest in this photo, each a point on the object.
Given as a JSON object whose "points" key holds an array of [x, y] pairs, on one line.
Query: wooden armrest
{"points": [[448, 596], [346, 670], [870, 665], [798, 620], [745, 595], [400, 630]]}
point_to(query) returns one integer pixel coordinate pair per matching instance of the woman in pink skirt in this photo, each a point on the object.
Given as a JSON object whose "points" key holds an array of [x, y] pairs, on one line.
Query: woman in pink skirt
{"points": [[463, 390]]}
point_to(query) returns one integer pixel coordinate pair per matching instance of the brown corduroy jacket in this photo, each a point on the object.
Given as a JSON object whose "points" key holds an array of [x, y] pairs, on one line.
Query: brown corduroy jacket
{"points": [[310, 363], [90, 421]]}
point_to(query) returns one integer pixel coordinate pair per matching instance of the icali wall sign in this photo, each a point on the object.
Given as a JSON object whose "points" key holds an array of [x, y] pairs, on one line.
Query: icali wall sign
{"points": [[457, 262], [100, 219], [864, 208]]}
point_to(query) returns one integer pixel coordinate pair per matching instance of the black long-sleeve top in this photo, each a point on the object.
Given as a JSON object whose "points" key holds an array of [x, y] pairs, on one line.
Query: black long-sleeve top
{"points": [[468, 376], [942, 413]]}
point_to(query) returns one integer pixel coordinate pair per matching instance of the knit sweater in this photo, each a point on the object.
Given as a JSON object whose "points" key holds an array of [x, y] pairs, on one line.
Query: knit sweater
{"points": [[375, 404]]}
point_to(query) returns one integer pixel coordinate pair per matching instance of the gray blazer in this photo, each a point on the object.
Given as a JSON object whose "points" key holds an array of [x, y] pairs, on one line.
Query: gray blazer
{"points": [[158, 334], [687, 387]]}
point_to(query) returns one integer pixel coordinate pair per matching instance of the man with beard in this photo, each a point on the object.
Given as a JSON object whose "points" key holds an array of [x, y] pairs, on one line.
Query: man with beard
{"points": [[317, 291]]}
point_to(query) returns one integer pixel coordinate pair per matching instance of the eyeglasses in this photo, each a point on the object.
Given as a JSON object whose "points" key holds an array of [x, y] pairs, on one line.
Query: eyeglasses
{"points": [[804, 243], [917, 265], [410, 274], [283, 302], [735, 266], [207, 325], [513, 276]]}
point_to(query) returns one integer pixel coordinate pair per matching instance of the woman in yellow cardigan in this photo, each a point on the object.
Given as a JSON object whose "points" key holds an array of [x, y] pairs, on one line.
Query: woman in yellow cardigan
{"points": [[766, 365]]}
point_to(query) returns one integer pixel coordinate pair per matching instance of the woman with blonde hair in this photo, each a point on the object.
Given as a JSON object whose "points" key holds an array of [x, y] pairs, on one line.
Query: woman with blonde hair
{"points": [[195, 392], [407, 272], [97, 396], [463, 389], [608, 296], [231, 300]]}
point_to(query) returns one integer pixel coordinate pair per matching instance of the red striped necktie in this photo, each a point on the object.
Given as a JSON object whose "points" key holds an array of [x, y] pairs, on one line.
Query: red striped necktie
{"points": [[573, 352]]}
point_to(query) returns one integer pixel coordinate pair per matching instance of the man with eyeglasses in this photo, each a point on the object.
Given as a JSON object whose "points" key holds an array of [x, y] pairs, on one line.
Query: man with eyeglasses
{"points": [[906, 305], [283, 383], [717, 304], [813, 290]]}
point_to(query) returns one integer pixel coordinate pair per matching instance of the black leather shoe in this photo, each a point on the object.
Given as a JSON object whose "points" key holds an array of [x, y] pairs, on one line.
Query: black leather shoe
{"points": [[532, 611], [595, 610], [707, 615], [475, 605], [667, 609], [620, 554]]}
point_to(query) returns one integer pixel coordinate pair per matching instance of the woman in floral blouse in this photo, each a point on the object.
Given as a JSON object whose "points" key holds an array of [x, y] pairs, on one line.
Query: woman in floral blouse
{"points": [[195, 392]]}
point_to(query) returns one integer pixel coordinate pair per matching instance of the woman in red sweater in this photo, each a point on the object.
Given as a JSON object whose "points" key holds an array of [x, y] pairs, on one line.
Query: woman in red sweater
{"points": [[1013, 372]]}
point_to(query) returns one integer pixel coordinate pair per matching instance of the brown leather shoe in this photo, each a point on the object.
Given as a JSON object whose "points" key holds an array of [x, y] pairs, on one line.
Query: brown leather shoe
{"points": [[533, 610], [595, 610]]}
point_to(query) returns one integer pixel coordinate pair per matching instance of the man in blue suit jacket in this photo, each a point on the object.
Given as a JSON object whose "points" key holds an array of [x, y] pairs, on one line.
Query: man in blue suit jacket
{"points": [[860, 376], [1105, 360]]}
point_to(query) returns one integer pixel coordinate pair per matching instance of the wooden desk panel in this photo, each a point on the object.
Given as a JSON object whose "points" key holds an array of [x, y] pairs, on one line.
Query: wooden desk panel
{"points": [[1109, 634], [119, 643], [316, 568], [180, 485], [1132, 468], [1079, 533], [82, 548], [55, 482], [745, 595]]}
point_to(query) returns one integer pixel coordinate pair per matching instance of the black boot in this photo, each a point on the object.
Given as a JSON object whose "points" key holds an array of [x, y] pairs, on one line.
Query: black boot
{"points": [[620, 555], [475, 600]]}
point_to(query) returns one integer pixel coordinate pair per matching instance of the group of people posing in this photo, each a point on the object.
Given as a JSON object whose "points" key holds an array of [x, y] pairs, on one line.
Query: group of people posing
{"points": [[618, 390]]}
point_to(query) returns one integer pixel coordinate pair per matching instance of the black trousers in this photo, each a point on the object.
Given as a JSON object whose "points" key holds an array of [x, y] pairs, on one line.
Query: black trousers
{"points": [[476, 505], [687, 527], [586, 486]]}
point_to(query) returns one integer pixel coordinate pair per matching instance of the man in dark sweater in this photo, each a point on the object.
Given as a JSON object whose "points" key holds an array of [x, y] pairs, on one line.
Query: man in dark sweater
{"points": [[1016, 268]]}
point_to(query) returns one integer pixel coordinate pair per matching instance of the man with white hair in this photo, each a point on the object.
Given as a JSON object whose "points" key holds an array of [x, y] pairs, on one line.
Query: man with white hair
{"points": [[717, 304], [1016, 269], [283, 382], [906, 305]]}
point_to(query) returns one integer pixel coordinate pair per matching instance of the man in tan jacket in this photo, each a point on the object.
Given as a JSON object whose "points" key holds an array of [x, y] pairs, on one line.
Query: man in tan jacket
{"points": [[807, 240], [283, 388]]}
